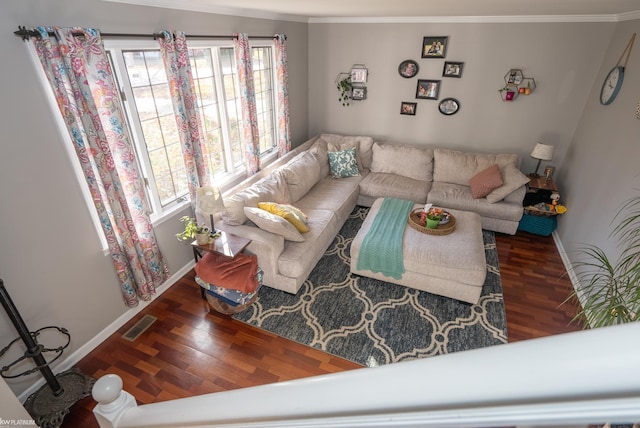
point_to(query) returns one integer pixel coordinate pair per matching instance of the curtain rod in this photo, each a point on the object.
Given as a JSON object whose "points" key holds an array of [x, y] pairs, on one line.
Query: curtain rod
{"points": [[25, 34]]}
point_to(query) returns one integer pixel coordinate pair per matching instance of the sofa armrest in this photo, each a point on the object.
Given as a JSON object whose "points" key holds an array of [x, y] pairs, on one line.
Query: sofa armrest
{"points": [[517, 195]]}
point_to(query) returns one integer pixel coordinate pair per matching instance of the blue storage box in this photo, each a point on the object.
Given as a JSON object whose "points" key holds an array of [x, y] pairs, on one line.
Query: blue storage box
{"points": [[538, 224]]}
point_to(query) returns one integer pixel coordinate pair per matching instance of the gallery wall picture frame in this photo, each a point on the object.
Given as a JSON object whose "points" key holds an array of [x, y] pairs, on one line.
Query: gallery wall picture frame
{"points": [[452, 69], [428, 89], [449, 106], [434, 47], [359, 93], [408, 108], [359, 73], [408, 68]]}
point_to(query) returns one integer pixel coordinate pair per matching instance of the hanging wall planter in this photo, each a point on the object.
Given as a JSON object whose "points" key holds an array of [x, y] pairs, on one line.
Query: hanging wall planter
{"points": [[343, 83]]}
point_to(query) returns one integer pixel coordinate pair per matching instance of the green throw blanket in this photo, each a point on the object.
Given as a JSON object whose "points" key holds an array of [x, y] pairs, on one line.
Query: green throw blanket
{"points": [[381, 249]]}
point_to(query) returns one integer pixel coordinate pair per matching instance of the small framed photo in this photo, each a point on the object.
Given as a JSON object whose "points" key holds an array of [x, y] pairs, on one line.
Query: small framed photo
{"points": [[408, 108], [359, 74], [359, 93], [452, 69], [428, 89], [408, 68], [514, 76], [449, 106], [434, 47]]}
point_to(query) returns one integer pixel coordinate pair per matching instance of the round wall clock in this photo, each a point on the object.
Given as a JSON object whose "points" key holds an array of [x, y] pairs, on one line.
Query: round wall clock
{"points": [[611, 85], [449, 106]]}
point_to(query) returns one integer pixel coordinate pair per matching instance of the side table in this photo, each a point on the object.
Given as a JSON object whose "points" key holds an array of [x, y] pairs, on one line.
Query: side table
{"points": [[227, 244], [536, 220]]}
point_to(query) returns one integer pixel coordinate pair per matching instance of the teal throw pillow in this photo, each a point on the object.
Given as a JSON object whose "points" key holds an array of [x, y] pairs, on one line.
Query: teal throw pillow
{"points": [[343, 164]]}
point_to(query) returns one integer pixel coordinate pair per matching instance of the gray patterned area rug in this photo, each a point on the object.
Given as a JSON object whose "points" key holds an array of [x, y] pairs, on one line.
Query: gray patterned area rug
{"points": [[372, 322]]}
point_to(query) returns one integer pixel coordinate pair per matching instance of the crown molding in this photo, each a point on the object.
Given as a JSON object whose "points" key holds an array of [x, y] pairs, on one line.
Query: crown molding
{"points": [[465, 19], [629, 16], [197, 6]]}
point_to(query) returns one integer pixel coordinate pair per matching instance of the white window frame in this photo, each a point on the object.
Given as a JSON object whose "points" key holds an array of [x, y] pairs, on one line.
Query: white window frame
{"points": [[224, 180]]}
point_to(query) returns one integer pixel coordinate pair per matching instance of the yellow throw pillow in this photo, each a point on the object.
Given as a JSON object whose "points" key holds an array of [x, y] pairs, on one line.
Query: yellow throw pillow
{"points": [[297, 212], [285, 213]]}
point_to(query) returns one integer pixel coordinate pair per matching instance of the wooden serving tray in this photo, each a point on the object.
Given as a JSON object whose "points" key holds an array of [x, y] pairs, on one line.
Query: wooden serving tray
{"points": [[442, 229]]}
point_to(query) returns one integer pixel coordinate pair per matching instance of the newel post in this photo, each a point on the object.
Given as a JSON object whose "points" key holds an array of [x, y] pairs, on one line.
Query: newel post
{"points": [[113, 402]]}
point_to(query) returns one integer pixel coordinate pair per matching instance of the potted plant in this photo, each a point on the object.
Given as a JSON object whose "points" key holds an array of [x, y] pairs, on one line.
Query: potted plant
{"points": [[192, 230], [610, 289], [343, 83], [508, 93], [433, 218]]}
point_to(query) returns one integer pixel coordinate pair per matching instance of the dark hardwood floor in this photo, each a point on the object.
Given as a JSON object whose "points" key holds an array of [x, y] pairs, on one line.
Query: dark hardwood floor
{"points": [[192, 350]]}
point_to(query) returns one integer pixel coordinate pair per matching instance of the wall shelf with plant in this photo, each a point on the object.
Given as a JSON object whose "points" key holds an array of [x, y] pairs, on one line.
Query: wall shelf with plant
{"points": [[343, 83], [516, 83]]}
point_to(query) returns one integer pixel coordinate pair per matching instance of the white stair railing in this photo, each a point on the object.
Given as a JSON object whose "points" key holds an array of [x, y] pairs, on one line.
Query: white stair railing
{"points": [[584, 378]]}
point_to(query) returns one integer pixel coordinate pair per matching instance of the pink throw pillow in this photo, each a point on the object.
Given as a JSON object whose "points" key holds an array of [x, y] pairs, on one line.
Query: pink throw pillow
{"points": [[485, 181]]}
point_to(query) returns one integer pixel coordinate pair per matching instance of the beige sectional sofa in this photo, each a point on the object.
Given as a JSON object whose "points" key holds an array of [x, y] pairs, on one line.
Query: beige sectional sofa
{"points": [[302, 178]]}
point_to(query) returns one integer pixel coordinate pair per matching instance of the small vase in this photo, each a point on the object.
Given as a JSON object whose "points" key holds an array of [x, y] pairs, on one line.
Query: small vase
{"points": [[202, 238], [432, 224]]}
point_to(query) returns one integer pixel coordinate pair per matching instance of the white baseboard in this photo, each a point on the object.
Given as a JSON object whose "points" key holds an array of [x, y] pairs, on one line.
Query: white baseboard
{"points": [[85, 349], [575, 282]]}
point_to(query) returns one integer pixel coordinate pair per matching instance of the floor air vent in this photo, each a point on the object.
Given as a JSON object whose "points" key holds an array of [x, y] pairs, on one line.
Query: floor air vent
{"points": [[134, 332]]}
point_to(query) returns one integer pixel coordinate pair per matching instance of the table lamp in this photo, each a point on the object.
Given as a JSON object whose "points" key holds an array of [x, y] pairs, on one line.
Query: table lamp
{"points": [[541, 152], [209, 202]]}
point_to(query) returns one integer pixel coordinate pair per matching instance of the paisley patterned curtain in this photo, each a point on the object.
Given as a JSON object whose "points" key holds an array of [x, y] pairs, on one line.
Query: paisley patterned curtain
{"points": [[175, 55], [284, 132], [250, 134], [80, 75]]}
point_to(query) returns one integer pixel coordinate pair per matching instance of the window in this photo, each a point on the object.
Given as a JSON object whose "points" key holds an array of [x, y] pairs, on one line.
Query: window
{"points": [[140, 73], [261, 60]]}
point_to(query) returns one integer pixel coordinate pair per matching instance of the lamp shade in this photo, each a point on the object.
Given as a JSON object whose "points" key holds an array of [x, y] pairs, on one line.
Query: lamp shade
{"points": [[208, 203], [208, 200], [542, 152]]}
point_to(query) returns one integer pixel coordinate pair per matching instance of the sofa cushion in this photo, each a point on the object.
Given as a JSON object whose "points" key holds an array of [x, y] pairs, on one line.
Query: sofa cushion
{"points": [[298, 258], [363, 145], [455, 167], [459, 197], [287, 213], [343, 164], [271, 188], [512, 180], [485, 181], [301, 173], [319, 149], [381, 185], [408, 161], [337, 196], [273, 223]]}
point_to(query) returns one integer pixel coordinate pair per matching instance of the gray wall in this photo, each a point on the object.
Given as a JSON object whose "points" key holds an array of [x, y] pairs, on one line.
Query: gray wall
{"points": [[562, 57], [601, 170], [51, 262]]}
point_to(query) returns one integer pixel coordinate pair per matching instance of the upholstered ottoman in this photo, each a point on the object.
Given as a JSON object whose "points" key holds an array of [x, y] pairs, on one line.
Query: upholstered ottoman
{"points": [[450, 265]]}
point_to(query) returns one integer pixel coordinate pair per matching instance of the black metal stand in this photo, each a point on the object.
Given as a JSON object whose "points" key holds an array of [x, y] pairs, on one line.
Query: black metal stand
{"points": [[49, 405]]}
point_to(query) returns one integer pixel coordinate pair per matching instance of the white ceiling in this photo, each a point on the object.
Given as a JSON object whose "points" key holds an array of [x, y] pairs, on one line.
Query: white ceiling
{"points": [[346, 10]]}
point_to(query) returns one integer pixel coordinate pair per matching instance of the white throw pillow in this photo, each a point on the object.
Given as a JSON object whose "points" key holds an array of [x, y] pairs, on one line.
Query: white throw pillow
{"points": [[273, 223], [271, 188], [512, 180]]}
